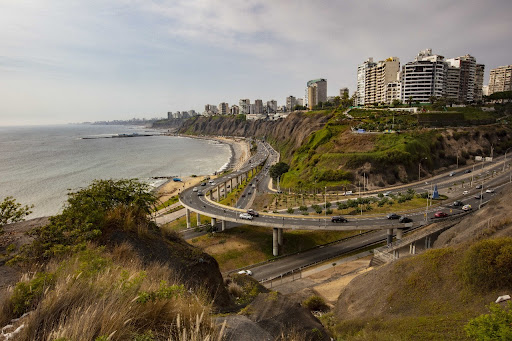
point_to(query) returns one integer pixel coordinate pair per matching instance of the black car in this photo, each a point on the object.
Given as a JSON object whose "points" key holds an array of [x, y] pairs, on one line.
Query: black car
{"points": [[479, 196], [200, 194], [467, 171], [253, 213], [338, 219], [393, 216], [203, 184], [458, 203], [405, 220], [478, 186]]}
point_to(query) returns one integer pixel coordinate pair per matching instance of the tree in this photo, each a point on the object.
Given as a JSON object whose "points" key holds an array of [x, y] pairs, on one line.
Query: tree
{"points": [[278, 169], [103, 205], [409, 101], [396, 103], [12, 211], [494, 326]]}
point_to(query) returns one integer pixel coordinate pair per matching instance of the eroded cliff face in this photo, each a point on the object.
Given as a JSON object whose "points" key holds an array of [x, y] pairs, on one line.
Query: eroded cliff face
{"points": [[288, 134]]}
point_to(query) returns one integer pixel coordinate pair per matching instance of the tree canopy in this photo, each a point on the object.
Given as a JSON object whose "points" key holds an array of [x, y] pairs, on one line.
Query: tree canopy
{"points": [[12, 211], [278, 169], [105, 204]]}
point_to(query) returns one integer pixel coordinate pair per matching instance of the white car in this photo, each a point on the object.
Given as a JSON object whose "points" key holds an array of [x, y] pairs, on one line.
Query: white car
{"points": [[466, 207], [245, 272], [348, 193], [245, 216], [490, 190], [195, 189], [465, 192]]}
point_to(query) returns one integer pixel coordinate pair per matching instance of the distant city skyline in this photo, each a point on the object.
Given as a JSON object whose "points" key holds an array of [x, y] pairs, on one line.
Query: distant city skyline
{"points": [[78, 61]]}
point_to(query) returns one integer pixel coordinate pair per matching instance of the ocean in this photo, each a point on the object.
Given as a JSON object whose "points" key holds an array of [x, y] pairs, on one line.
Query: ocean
{"points": [[39, 165]]}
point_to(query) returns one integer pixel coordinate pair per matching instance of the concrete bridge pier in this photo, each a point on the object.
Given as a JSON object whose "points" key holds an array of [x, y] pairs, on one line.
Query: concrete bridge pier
{"points": [[399, 234], [280, 237], [231, 184], [188, 218], [223, 225], [198, 216], [390, 236], [218, 193], [275, 241], [214, 222], [412, 248], [428, 242]]}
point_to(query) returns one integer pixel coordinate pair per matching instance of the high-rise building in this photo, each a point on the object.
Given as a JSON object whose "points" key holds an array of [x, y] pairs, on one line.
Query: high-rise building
{"points": [[272, 106], [452, 83], [258, 106], [479, 82], [245, 106], [361, 80], [500, 79], [210, 109], [424, 78], [373, 78], [300, 101], [291, 102], [393, 91], [467, 66], [223, 108], [317, 92], [234, 110]]}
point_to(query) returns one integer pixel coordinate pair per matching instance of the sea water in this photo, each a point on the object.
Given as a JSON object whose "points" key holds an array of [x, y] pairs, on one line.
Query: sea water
{"points": [[39, 165]]}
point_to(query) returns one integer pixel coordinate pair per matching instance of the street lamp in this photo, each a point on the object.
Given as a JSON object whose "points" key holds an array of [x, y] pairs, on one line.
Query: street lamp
{"points": [[325, 206]]}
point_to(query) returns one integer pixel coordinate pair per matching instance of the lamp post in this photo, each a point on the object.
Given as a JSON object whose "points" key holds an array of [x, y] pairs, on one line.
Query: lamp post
{"points": [[325, 206], [419, 168]]}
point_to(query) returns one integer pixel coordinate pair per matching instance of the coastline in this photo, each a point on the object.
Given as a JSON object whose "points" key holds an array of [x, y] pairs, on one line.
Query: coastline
{"points": [[240, 152]]}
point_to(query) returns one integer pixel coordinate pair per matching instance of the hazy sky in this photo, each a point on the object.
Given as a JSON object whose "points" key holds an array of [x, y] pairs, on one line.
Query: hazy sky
{"points": [[72, 61]]}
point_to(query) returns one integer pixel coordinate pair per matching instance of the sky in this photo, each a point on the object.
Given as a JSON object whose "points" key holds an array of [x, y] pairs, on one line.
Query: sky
{"points": [[92, 60]]}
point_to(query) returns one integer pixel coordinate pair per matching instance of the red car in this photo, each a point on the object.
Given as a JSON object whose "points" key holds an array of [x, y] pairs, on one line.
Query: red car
{"points": [[440, 215]]}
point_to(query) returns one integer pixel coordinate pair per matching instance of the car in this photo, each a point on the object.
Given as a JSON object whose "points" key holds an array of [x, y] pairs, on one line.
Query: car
{"points": [[393, 216], [348, 193], [465, 193], [194, 189], [489, 190], [479, 196], [478, 187], [405, 220], [467, 171], [253, 212], [228, 186], [440, 214], [211, 181], [467, 207], [387, 193], [253, 185], [249, 193], [458, 203], [452, 173], [245, 272], [203, 184], [243, 195], [338, 219], [245, 216], [200, 194]]}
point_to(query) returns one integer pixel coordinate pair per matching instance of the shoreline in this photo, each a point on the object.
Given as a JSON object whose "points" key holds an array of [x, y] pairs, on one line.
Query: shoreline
{"points": [[240, 152]]}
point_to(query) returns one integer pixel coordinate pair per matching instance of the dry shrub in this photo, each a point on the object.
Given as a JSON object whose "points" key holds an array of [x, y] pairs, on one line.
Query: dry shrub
{"points": [[95, 296], [235, 290]]}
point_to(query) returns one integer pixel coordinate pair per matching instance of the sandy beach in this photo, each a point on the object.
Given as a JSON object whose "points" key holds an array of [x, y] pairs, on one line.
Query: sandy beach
{"points": [[240, 152]]}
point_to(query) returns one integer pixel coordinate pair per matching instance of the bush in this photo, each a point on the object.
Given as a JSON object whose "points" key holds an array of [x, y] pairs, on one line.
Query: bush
{"points": [[315, 303], [493, 326], [303, 208], [329, 211], [488, 264], [290, 210], [26, 295]]}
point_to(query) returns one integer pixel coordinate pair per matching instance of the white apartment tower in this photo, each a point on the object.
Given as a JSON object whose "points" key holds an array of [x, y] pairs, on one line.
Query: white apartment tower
{"points": [[245, 106], [361, 80], [317, 92], [424, 78], [500, 79]]}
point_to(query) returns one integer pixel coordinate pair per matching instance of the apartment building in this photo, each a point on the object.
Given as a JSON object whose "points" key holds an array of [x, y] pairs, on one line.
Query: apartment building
{"points": [[500, 79], [291, 102], [373, 78], [361, 80], [210, 110], [466, 87], [258, 106], [272, 106], [317, 92], [234, 110], [393, 91], [424, 78], [223, 108], [245, 106], [479, 82]]}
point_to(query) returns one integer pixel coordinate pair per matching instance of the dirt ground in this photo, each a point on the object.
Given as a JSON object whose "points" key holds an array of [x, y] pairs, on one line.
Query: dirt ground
{"points": [[324, 280]]}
